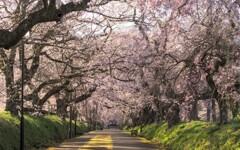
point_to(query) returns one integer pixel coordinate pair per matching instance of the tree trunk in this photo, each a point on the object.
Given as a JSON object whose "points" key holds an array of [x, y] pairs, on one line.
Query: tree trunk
{"points": [[13, 97], [208, 111], [94, 125], [173, 115], [141, 128], [62, 108], [235, 110], [13, 100], [223, 117], [194, 111], [161, 111], [214, 117]]}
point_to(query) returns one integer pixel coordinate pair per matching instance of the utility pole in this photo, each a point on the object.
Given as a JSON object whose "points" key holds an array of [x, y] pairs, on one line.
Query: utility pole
{"points": [[75, 127], [75, 114], [22, 95], [70, 134]]}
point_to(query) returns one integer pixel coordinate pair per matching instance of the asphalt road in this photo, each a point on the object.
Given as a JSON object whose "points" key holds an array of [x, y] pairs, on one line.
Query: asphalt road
{"points": [[112, 139]]}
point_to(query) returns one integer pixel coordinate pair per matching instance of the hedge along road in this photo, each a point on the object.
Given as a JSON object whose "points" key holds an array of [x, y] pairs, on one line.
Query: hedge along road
{"points": [[106, 140]]}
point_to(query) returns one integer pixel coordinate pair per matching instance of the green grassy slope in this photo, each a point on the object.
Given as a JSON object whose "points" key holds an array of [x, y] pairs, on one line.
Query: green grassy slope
{"points": [[196, 135], [39, 130]]}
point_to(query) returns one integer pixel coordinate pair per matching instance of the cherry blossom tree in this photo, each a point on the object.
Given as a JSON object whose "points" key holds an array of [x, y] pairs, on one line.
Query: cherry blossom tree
{"points": [[142, 61]]}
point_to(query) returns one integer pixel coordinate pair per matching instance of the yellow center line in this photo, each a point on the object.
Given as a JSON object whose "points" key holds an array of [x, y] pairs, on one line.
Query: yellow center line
{"points": [[99, 142]]}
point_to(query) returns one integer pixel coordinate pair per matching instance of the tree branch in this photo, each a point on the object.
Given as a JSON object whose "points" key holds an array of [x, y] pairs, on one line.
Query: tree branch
{"points": [[84, 96], [11, 38], [53, 91]]}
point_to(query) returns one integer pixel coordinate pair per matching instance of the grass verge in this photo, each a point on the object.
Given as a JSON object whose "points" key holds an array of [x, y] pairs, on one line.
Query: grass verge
{"points": [[39, 130], [195, 135]]}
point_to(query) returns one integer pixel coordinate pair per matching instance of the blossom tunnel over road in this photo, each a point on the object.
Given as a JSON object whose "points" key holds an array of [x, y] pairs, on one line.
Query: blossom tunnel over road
{"points": [[135, 62]]}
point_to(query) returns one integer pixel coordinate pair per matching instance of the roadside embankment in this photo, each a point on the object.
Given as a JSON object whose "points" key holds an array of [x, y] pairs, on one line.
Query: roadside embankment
{"points": [[197, 135], [39, 130]]}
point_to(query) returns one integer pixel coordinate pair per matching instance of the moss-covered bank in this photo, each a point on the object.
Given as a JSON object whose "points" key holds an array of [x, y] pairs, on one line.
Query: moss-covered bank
{"points": [[196, 135], [39, 130]]}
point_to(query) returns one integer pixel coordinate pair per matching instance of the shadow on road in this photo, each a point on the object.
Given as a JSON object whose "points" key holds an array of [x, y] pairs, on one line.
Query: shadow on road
{"points": [[112, 139], [124, 141]]}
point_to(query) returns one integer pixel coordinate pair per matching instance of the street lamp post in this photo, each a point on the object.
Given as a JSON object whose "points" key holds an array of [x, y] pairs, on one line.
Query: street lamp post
{"points": [[70, 131], [22, 95], [75, 113], [75, 117]]}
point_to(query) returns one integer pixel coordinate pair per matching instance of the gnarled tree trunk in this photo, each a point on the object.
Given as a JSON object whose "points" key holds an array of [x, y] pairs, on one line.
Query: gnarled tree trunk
{"points": [[173, 117], [223, 116], [13, 97], [194, 111], [62, 108]]}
